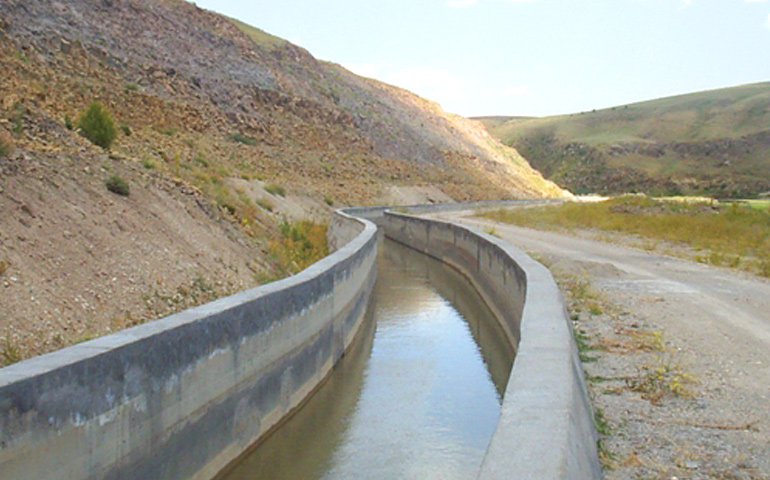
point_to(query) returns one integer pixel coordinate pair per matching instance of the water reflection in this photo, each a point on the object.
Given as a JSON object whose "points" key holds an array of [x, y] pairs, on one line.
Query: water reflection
{"points": [[413, 400]]}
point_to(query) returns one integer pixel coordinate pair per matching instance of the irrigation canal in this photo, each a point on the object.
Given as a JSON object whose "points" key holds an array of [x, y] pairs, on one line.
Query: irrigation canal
{"points": [[417, 396]]}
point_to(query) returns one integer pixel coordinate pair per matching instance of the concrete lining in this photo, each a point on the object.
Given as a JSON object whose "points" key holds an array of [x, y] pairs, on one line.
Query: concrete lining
{"points": [[546, 428], [181, 397]]}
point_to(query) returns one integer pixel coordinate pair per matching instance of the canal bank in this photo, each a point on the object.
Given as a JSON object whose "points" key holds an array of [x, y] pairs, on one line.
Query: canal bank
{"points": [[546, 429], [183, 396]]}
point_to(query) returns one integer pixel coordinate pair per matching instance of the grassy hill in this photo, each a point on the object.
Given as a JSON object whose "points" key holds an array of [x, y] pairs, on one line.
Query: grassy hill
{"points": [[714, 142], [222, 132]]}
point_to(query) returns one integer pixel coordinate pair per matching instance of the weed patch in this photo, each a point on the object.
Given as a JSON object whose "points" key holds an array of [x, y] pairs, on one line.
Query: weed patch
{"points": [[491, 231], [301, 244], [633, 340], [117, 185], [663, 377], [238, 138], [274, 189], [11, 352], [265, 204], [148, 163]]}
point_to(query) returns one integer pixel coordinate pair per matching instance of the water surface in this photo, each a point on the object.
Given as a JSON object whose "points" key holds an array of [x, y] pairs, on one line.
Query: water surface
{"points": [[415, 397]]}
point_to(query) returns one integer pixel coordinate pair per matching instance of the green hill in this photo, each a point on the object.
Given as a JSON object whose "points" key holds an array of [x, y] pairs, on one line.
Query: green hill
{"points": [[714, 142]]}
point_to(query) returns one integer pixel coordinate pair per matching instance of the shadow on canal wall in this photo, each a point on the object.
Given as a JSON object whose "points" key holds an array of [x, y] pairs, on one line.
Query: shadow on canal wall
{"points": [[181, 397], [546, 428]]}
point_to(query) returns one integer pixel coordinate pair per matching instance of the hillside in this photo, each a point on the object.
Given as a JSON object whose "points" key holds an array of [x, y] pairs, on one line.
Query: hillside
{"points": [[223, 131], [714, 142]]}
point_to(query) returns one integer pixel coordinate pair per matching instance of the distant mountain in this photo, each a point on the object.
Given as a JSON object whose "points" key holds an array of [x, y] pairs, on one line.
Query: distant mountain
{"points": [[715, 142]]}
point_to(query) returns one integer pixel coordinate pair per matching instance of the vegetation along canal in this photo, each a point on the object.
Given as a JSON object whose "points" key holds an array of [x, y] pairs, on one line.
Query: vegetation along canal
{"points": [[418, 395]]}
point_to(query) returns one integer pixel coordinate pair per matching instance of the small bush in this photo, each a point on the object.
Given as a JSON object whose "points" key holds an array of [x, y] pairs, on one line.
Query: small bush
{"points": [[126, 130], [148, 163], [11, 352], [97, 125], [237, 137], [301, 244], [266, 204], [274, 189], [68, 123], [17, 125], [329, 200], [6, 144], [200, 159], [131, 87], [115, 184]]}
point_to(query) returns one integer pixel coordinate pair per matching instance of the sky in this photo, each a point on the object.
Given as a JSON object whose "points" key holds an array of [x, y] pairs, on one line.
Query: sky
{"points": [[528, 57]]}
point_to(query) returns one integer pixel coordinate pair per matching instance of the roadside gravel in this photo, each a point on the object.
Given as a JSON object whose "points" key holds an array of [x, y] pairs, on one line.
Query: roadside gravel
{"points": [[677, 355]]}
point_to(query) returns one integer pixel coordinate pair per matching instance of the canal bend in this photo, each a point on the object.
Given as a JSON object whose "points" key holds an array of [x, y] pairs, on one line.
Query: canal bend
{"points": [[417, 396]]}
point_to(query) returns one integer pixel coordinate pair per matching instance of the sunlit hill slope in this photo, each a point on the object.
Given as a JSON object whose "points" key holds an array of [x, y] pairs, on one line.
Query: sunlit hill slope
{"points": [[715, 142]]}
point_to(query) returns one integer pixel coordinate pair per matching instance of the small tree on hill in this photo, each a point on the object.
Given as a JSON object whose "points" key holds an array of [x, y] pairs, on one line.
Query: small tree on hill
{"points": [[97, 125]]}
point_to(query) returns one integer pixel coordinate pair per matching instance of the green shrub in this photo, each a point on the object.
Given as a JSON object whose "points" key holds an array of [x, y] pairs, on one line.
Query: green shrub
{"points": [[148, 163], [97, 125], [237, 137], [274, 189], [329, 200], [131, 87], [68, 122], [115, 184], [126, 130]]}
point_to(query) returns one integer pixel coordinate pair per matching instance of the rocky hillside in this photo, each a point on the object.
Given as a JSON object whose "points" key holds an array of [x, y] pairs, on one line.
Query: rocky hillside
{"points": [[714, 143], [222, 131]]}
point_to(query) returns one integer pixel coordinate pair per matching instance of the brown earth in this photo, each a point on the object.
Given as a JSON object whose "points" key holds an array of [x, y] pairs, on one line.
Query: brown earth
{"points": [[210, 115]]}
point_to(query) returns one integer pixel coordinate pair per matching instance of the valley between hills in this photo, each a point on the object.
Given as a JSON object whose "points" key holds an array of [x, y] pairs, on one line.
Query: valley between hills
{"points": [[227, 137]]}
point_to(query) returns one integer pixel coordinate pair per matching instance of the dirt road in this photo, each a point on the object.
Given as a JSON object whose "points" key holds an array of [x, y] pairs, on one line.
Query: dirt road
{"points": [[707, 323]]}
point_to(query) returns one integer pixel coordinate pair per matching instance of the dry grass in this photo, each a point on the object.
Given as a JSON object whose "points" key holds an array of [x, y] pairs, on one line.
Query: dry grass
{"points": [[633, 340], [301, 244], [6, 144], [662, 377], [731, 235]]}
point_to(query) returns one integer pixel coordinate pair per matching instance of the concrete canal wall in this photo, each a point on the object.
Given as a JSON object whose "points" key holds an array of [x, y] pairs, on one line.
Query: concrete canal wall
{"points": [[546, 428], [181, 397]]}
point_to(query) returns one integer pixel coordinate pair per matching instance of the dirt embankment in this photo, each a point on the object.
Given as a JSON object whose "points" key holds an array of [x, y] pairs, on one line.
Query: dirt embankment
{"points": [[81, 261]]}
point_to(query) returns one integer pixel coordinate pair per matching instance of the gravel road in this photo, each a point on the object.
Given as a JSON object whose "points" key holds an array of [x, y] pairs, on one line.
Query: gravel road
{"points": [[714, 325]]}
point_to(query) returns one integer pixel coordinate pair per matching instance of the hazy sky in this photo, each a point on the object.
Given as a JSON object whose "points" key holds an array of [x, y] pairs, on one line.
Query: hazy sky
{"points": [[528, 57]]}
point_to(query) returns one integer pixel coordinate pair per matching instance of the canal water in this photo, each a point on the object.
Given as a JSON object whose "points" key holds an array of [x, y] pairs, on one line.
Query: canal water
{"points": [[417, 396]]}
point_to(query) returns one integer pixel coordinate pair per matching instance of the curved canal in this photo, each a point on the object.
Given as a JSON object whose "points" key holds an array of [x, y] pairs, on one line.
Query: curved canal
{"points": [[417, 396]]}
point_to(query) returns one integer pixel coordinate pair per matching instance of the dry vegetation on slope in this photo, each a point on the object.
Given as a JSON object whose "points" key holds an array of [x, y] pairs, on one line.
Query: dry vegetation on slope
{"points": [[222, 130]]}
